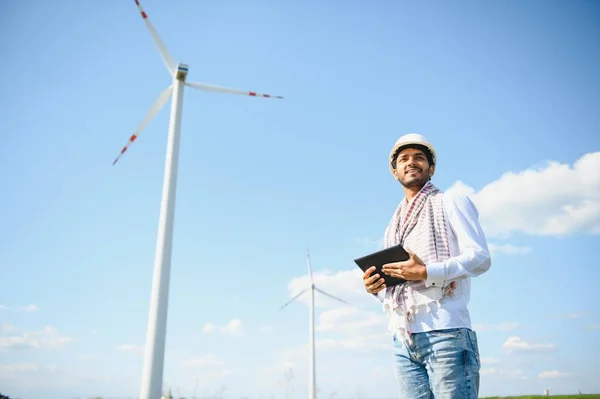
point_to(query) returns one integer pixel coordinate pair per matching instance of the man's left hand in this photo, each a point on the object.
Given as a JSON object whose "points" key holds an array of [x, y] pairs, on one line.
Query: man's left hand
{"points": [[412, 269]]}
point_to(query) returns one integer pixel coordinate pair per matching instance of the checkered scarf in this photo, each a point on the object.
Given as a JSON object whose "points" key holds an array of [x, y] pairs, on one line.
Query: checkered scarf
{"points": [[424, 217], [419, 225]]}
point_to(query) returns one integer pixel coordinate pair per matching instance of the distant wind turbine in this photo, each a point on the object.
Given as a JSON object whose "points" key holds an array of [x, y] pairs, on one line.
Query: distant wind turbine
{"points": [[157, 320], [311, 347]]}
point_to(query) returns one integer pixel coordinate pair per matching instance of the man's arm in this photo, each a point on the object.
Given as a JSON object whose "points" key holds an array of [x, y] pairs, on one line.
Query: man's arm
{"points": [[474, 258]]}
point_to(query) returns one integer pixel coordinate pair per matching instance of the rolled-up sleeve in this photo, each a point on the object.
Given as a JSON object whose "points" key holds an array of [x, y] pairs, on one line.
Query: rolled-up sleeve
{"points": [[474, 256]]}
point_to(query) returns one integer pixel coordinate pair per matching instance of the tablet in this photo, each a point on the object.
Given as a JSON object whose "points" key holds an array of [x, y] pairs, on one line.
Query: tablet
{"points": [[388, 255]]}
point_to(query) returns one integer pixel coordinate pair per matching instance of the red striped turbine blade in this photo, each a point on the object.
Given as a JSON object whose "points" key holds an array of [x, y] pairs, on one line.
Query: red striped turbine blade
{"points": [[218, 89], [164, 53], [158, 104]]}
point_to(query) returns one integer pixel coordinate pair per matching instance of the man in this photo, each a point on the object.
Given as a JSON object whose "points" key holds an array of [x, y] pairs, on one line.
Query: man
{"points": [[435, 349]]}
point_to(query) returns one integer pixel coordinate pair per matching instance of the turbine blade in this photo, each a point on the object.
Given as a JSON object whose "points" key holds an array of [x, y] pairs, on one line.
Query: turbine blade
{"points": [[164, 53], [218, 89], [331, 296], [293, 299], [158, 104], [310, 274]]}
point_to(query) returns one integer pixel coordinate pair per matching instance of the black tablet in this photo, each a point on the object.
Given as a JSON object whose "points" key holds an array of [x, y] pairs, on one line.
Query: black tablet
{"points": [[388, 255]]}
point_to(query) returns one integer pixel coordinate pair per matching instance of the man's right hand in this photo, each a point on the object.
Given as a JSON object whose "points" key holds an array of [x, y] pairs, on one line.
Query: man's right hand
{"points": [[373, 284]]}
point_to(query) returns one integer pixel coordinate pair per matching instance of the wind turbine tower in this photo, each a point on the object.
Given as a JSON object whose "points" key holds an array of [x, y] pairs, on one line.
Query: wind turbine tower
{"points": [[312, 382], [157, 318]]}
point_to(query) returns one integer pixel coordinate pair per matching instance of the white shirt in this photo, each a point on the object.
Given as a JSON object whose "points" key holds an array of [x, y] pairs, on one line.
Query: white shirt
{"points": [[469, 257]]}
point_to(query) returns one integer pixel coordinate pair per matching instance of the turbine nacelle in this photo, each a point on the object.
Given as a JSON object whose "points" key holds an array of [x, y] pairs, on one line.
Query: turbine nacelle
{"points": [[182, 71]]}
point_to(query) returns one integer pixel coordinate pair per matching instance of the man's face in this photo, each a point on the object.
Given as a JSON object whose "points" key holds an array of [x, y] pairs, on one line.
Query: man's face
{"points": [[412, 168]]}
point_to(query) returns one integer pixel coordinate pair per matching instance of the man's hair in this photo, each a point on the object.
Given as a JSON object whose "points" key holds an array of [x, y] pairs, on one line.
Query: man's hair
{"points": [[421, 147]]}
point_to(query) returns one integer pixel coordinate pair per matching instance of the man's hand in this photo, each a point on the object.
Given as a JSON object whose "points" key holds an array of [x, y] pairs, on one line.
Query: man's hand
{"points": [[412, 269], [373, 284]]}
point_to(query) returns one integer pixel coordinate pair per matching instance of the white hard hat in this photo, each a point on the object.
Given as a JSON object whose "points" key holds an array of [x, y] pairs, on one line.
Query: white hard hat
{"points": [[410, 139]]}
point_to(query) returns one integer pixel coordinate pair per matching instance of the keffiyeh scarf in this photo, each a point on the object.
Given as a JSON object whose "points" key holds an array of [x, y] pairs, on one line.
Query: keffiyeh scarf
{"points": [[419, 225]]}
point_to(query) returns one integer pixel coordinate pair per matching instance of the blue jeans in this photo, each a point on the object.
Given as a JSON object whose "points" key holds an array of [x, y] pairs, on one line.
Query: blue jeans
{"points": [[441, 364]]}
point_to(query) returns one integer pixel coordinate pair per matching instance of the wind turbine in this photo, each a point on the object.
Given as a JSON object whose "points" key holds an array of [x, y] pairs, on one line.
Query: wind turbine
{"points": [[157, 319], [311, 328]]}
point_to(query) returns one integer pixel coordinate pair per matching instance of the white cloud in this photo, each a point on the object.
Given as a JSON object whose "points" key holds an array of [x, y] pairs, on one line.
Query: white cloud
{"points": [[508, 249], [208, 328], [283, 367], [554, 200], [570, 316], [346, 285], [340, 330], [351, 321], [11, 338], [45, 378], [234, 327], [28, 308], [351, 327], [299, 354], [204, 361], [553, 374], [462, 189], [496, 327], [517, 344], [208, 369], [504, 374], [22, 367], [267, 329], [6, 328], [489, 360]]}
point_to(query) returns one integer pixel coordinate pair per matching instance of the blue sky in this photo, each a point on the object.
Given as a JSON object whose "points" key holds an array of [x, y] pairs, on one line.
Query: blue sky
{"points": [[508, 92]]}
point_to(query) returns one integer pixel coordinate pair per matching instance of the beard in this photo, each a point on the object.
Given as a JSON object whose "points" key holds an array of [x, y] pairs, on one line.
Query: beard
{"points": [[415, 179]]}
